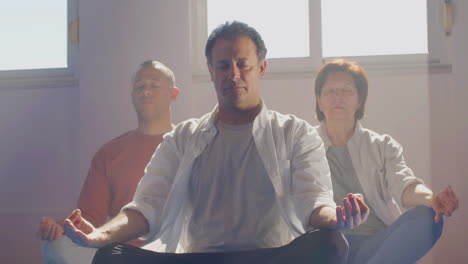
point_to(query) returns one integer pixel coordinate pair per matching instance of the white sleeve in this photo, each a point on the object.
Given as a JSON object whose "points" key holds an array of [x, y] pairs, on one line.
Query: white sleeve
{"points": [[311, 181], [398, 175], [154, 187]]}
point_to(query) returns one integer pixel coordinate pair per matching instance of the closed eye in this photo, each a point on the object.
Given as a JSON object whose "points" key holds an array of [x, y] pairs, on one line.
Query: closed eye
{"points": [[223, 66]]}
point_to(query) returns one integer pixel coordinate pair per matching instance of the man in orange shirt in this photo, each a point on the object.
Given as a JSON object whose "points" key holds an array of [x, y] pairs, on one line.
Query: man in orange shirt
{"points": [[118, 166]]}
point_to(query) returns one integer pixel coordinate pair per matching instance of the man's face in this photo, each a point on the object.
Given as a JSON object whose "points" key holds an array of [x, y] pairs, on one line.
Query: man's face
{"points": [[151, 93], [236, 73], [339, 99]]}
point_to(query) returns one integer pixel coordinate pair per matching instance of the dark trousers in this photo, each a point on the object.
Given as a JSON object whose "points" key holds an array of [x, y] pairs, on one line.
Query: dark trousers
{"points": [[315, 246]]}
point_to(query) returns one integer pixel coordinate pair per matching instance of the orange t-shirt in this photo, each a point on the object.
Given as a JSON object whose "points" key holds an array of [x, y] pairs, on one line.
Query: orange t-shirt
{"points": [[116, 170]]}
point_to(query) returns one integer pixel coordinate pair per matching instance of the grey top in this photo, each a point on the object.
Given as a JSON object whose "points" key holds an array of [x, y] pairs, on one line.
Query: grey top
{"points": [[233, 199], [345, 181]]}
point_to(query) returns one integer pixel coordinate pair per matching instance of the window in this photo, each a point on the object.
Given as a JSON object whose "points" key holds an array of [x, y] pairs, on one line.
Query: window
{"points": [[384, 33], [272, 25], [35, 50], [369, 27]]}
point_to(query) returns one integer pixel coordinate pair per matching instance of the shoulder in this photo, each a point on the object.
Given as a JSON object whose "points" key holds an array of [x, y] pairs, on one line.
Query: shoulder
{"points": [[288, 121], [189, 127], [116, 143], [187, 131], [294, 129], [383, 141]]}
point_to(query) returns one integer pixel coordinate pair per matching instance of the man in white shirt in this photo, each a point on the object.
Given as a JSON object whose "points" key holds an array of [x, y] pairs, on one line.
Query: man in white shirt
{"points": [[240, 184]]}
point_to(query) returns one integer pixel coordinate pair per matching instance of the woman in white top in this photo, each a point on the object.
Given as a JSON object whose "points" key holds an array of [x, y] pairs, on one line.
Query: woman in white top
{"points": [[406, 217]]}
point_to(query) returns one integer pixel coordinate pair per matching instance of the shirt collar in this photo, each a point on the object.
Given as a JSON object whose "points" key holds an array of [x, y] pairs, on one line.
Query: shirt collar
{"points": [[358, 130], [259, 121]]}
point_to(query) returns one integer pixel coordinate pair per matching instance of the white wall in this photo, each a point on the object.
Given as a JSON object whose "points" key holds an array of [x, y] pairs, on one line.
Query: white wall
{"points": [[48, 136], [38, 143], [449, 143]]}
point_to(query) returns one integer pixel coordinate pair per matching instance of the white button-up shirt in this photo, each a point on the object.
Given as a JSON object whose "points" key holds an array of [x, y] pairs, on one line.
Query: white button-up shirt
{"points": [[292, 154], [380, 168]]}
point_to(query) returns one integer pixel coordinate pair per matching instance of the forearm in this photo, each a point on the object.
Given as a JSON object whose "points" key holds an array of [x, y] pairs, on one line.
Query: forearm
{"points": [[324, 217], [127, 225], [417, 194]]}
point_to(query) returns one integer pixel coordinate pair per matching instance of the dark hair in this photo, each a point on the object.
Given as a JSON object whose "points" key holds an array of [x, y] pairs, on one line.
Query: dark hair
{"points": [[232, 30], [359, 77]]}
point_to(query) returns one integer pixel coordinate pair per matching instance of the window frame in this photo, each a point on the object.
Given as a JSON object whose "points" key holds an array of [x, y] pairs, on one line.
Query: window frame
{"points": [[436, 60], [52, 77]]}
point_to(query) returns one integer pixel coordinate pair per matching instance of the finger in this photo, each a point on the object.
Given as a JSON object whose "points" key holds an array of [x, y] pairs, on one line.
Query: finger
{"points": [[339, 217], [437, 217], [453, 197], [348, 217], [75, 216], [355, 212], [363, 208], [58, 231], [49, 231], [46, 231], [77, 219], [356, 195], [442, 200], [70, 229], [353, 206], [73, 233], [437, 204], [449, 188], [359, 195], [443, 195], [53, 233], [448, 206]]}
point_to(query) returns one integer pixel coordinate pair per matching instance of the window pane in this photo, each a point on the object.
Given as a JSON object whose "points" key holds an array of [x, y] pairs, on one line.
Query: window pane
{"points": [[373, 27], [34, 34], [284, 26]]}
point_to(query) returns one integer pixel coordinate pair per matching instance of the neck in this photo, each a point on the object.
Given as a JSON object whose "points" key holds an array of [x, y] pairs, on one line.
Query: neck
{"points": [[155, 126], [236, 116], [339, 132]]}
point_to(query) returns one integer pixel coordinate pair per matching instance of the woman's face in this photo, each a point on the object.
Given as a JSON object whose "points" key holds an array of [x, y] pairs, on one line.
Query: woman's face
{"points": [[339, 100]]}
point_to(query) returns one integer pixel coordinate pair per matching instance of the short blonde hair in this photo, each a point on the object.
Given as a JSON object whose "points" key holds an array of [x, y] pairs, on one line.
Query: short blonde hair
{"points": [[160, 67]]}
